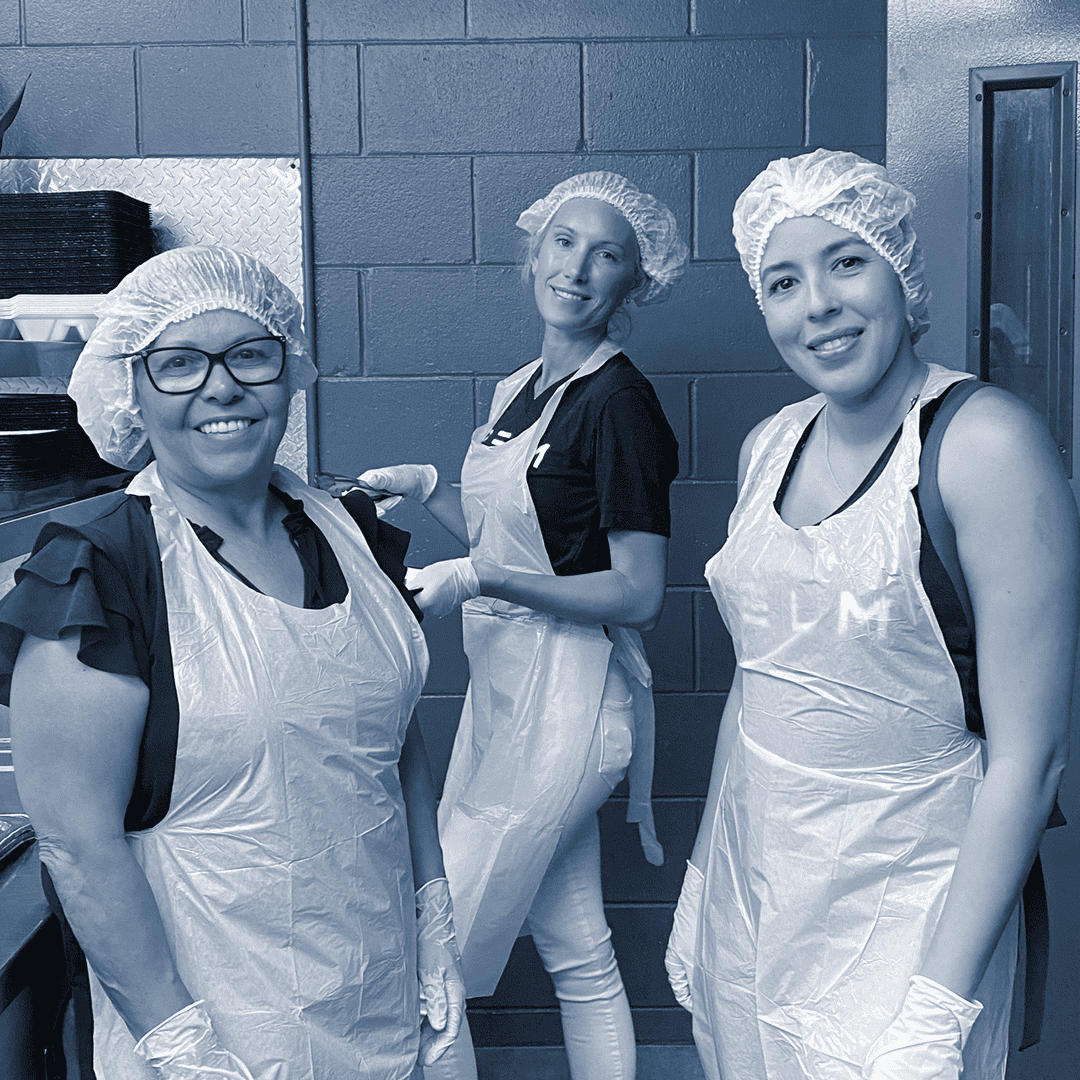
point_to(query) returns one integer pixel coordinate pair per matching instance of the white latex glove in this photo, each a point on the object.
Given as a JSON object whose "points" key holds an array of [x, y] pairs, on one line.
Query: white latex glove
{"points": [[926, 1040], [438, 966], [679, 958], [185, 1046], [444, 586], [411, 481]]}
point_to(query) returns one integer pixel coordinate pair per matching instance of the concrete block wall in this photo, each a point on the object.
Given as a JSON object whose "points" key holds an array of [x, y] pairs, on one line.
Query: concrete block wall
{"points": [[432, 126]]}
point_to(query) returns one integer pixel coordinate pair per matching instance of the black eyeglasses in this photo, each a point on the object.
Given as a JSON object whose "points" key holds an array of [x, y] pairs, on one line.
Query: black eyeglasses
{"points": [[183, 371]]}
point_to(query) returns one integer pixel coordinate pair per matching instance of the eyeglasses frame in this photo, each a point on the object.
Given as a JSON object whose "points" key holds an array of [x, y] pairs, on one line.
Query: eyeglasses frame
{"points": [[214, 358]]}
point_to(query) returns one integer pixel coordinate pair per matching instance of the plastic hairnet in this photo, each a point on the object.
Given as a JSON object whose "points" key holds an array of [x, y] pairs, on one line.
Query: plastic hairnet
{"points": [[847, 191], [167, 289], [663, 252]]}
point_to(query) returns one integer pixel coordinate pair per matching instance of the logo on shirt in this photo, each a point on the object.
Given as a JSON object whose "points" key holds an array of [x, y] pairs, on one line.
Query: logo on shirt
{"points": [[541, 451]]}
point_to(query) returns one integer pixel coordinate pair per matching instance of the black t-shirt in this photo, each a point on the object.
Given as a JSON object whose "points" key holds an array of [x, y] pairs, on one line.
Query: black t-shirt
{"points": [[105, 577], [606, 461]]}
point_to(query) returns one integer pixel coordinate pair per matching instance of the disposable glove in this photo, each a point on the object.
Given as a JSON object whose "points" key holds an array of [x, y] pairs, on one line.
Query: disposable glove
{"points": [[438, 966], [185, 1046], [444, 586], [926, 1040], [411, 481], [679, 958]]}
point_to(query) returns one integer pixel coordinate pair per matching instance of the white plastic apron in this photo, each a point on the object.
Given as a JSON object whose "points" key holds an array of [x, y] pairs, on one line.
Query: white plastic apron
{"points": [[535, 689], [848, 788], [282, 868]]}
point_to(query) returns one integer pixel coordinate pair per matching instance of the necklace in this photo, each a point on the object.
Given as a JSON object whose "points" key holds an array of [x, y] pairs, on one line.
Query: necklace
{"points": [[825, 417]]}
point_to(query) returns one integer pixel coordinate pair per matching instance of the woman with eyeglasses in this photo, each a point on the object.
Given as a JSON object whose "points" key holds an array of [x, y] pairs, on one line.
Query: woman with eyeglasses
{"points": [[212, 691]]}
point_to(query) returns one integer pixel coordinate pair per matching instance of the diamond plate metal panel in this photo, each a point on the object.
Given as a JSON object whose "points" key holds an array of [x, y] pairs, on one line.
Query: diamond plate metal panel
{"points": [[247, 203]]}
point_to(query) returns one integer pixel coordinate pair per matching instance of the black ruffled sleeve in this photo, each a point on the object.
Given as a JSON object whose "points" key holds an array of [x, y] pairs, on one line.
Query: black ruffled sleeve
{"points": [[72, 580], [387, 542]]}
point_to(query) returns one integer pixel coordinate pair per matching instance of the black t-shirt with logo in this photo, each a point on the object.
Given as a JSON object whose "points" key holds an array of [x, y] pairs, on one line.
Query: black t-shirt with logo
{"points": [[606, 461]]}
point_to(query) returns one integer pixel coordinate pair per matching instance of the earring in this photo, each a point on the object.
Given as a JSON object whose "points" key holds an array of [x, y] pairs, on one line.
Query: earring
{"points": [[626, 300]]}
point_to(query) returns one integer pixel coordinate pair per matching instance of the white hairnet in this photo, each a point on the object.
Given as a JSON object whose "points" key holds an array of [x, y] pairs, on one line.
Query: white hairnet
{"points": [[663, 252], [847, 191], [167, 289]]}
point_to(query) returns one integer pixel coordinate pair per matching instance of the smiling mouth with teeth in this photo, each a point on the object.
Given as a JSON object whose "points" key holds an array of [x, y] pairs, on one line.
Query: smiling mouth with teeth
{"points": [[835, 344], [567, 295], [224, 427]]}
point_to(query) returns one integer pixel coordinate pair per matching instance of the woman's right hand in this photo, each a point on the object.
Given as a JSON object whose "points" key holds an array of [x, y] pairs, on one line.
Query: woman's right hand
{"points": [[411, 481], [679, 958]]}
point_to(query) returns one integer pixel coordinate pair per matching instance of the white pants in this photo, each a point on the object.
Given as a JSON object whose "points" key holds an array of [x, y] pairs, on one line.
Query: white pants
{"points": [[570, 931]]}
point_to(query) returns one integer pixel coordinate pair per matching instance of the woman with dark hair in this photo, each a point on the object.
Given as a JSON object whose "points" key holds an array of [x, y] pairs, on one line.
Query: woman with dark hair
{"points": [[212, 691], [850, 906]]}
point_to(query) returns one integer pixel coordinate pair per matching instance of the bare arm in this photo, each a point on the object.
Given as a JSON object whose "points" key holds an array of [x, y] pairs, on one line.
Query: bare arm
{"points": [[418, 790], [75, 735], [1016, 530], [444, 505], [630, 594]]}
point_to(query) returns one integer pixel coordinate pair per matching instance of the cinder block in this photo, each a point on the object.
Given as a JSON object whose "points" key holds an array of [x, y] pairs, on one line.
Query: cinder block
{"points": [[454, 99], [392, 210], [230, 100], [721, 177], [507, 185], [710, 323], [686, 726], [699, 514], [725, 409], [715, 660], [270, 20], [750, 17], [693, 95], [626, 875], [79, 103], [446, 321], [90, 22], [576, 18], [337, 325], [524, 985], [334, 99], [388, 20], [639, 936], [674, 394], [439, 718], [670, 646], [9, 34], [364, 423], [838, 118]]}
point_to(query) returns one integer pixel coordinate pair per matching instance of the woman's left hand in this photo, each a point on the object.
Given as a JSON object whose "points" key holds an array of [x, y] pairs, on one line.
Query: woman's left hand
{"points": [[438, 966], [443, 586], [927, 1037]]}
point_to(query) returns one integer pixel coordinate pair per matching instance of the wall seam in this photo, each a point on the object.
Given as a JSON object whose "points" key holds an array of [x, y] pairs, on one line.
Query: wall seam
{"points": [[583, 131], [136, 74]]}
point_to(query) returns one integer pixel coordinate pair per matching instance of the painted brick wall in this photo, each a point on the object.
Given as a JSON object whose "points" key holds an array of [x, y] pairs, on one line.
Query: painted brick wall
{"points": [[432, 126]]}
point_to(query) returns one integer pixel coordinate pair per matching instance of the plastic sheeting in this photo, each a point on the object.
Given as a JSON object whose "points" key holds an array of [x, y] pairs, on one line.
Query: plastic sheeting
{"points": [[282, 868], [535, 690], [848, 787]]}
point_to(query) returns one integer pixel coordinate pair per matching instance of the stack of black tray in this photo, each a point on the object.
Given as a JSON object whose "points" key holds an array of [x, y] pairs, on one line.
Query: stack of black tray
{"points": [[42, 444], [71, 241]]}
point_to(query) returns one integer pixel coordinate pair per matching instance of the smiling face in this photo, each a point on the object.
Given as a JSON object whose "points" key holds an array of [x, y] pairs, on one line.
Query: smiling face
{"points": [[586, 265], [224, 434], [834, 308]]}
